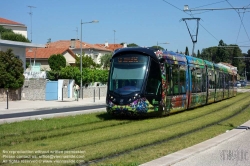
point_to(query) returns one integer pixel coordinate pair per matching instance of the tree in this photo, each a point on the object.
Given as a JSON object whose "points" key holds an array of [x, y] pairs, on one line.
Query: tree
{"points": [[11, 69], [198, 53], [248, 65], [71, 72], [222, 54], [87, 62], [94, 75], [186, 51], [235, 58], [56, 62], [156, 48], [132, 45], [105, 60], [8, 34], [208, 53]]}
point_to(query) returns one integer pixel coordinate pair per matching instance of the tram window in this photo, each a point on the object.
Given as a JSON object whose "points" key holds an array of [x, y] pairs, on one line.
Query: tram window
{"points": [[198, 77], [193, 75], [204, 80], [211, 79], [216, 79], [221, 75], [168, 79], [182, 87], [154, 79], [231, 84], [226, 85], [175, 79]]}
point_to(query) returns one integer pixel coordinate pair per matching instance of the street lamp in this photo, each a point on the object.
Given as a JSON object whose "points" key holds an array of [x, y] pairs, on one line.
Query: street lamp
{"points": [[161, 43], [94, 21]]}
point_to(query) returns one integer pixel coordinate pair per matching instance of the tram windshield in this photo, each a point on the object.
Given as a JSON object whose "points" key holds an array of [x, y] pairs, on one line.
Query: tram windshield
{"points": [[127, 73]]}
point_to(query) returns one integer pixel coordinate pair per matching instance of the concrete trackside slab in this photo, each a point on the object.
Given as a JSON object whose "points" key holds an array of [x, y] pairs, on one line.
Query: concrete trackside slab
{"points": [[182, 155]]}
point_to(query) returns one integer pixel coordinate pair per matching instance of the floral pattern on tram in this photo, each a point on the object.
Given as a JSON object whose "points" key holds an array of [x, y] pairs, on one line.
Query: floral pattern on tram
{"points": [[140, 105], [178, 101]]}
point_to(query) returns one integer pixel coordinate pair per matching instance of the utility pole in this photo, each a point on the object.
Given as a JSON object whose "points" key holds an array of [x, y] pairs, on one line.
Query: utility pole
{"points": [[114, 36], [30, 13], [76, 33], [193, 37]]}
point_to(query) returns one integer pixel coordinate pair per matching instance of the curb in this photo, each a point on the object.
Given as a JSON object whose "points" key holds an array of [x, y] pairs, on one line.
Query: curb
{"points": [[193, 150]]}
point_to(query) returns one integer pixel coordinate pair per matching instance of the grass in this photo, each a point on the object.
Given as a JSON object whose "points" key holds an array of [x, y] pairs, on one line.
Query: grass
{"points": [[126, 141], [247, 87]]}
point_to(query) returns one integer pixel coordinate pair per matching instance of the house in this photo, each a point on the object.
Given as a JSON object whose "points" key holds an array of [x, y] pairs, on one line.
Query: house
{"points": [[76, 46], [18, 48], [15, 26], [38, 57], [112, 47]]}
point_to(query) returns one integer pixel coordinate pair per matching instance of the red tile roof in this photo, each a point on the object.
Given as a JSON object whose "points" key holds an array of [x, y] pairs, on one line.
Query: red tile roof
{"points": [[5, 21], [110, 46], [67, 44], [45, 53]]}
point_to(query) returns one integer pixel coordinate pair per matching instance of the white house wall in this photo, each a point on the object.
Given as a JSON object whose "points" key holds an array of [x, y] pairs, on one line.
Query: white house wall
{"points": [[69, 58], [18, 48], [18, 51], [18, 29], [94, 54]]}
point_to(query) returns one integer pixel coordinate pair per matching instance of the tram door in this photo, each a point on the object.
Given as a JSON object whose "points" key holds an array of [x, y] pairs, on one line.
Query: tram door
{"points": [[176, 87], [198, 86]]}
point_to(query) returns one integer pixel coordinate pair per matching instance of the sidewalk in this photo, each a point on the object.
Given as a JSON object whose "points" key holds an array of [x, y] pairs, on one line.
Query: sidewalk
{"points": [[32, 109], [28, 105]]}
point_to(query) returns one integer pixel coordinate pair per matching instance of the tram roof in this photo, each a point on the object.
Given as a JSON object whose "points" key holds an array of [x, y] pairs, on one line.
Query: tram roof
{"points": [[195, 61], [170, 55], [143, 50], [223, 68], [209, 64]]}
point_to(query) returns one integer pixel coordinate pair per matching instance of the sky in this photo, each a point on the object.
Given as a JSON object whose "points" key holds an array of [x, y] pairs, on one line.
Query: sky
{"points": [[143, 22]]}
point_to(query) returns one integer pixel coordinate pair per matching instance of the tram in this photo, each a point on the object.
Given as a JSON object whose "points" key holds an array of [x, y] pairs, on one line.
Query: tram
{"points": [[142, 81]]}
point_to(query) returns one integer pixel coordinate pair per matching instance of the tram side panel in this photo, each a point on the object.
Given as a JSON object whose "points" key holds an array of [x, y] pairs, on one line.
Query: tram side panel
{"points": [[176, 98], [198, 86], [210, 85]]}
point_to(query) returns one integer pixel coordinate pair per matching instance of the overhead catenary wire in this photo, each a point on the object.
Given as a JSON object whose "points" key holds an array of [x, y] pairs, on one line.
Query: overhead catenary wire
{"points": [[246, 7], [241, 19], [209, 4], [192, 17]]}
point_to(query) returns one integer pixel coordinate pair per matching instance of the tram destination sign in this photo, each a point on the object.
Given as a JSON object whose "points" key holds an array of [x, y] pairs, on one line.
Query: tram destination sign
{"points": [[132, 59]]}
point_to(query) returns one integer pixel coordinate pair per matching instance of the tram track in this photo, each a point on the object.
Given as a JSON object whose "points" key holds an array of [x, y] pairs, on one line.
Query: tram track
{"points": [[146, 128], [242, 108], [156, 143], [97, 126]]}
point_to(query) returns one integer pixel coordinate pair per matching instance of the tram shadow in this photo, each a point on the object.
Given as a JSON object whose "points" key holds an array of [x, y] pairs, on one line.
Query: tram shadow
{"points": [[131, 116], [107, 116]]}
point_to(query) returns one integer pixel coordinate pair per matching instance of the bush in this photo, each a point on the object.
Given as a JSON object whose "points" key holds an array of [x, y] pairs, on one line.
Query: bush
{"points": [[11, 69]]}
